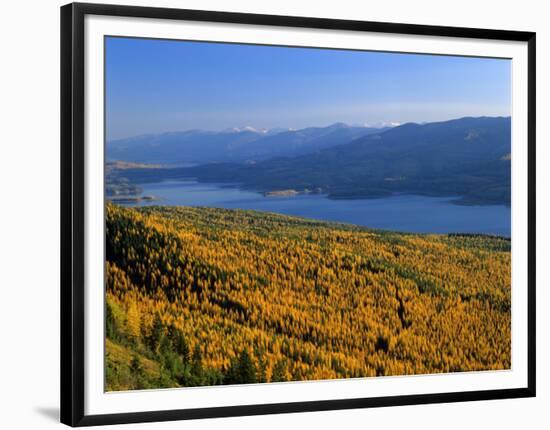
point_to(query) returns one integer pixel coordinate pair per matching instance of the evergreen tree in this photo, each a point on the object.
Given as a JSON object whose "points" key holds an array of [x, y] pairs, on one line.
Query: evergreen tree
{"points": [[156, 335], [165, 345], [247, 369], [137, 373], [135, 365], [196, 362], [242, 370], [279, 372], [180, 346], [111, 329]]}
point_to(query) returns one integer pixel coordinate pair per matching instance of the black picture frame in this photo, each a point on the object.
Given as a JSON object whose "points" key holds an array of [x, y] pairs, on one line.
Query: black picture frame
{"points": [[72, 212]]}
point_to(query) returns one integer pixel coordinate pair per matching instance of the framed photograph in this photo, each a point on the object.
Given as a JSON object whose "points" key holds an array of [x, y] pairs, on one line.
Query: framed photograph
{"points": [[269, 214]]}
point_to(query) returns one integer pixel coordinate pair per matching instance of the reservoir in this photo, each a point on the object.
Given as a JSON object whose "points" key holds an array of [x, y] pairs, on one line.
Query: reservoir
{"points": [[405, 213]]}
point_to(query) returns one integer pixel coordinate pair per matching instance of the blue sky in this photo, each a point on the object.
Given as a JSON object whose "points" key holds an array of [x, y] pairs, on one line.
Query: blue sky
{"points": [[155, 86]]}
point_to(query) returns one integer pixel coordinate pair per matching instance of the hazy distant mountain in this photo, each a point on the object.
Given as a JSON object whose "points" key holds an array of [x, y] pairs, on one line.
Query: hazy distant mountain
{"points": [[467, 157], [192, 146], [237, 144]]}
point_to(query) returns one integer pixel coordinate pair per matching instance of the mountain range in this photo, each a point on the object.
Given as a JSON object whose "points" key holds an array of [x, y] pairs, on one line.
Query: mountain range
{"points": [[231, 145], [467, 157]]}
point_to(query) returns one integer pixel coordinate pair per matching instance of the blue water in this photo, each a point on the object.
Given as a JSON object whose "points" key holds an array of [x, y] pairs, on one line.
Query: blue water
{"points": [[408, 213]]}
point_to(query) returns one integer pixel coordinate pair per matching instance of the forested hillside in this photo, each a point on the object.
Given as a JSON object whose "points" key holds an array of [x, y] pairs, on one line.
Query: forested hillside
{"points": [[467, 157], [202, 296]]}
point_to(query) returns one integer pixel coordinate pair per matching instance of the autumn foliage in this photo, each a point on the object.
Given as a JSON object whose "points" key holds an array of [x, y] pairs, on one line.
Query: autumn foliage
{"points": [[202, 296]]}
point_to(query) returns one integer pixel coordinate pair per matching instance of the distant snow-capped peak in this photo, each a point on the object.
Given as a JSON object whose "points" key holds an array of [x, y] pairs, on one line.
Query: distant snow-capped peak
{"points": [[382, 124], [241, 129], [266, 131]]}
